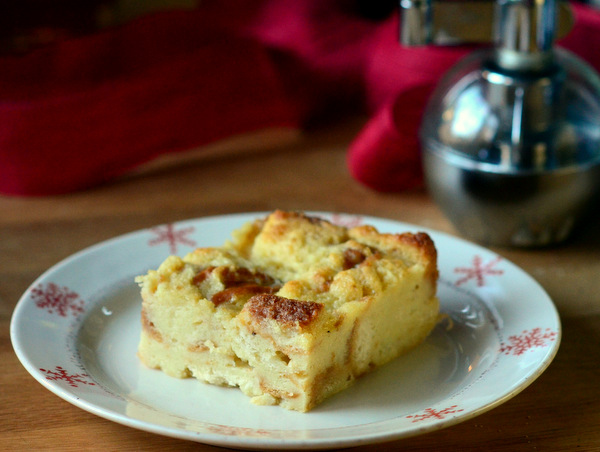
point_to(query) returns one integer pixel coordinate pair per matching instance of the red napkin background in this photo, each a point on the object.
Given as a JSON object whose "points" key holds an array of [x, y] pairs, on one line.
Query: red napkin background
{"points": [[85, 110]]}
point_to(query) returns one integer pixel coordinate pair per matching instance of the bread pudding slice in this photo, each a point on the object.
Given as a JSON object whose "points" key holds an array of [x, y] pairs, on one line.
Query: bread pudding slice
{"points": [[291, 310]]}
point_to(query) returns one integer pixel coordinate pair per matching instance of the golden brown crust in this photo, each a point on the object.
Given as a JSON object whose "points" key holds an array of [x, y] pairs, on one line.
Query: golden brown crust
{"points": [[421, 241], [201, 276], [280, 223], [417, 247], [240, 283], [235, 277], [241, 292], [283, 310], [353, 257], [425, 246], [286, 216]]}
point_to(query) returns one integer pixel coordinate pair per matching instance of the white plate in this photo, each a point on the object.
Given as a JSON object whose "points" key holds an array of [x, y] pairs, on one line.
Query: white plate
{"points": [[76, 331]]}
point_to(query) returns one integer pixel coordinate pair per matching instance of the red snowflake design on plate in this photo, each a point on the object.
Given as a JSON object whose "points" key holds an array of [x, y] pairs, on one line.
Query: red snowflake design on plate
{"points": [[528, 339], [57, 299], [60, 374], [478, 271], [346, 220], [170, 235], [431, 413]]}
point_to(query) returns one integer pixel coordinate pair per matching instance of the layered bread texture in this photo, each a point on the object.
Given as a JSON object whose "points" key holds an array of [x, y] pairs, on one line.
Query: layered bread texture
{"points": [[291, 310]]}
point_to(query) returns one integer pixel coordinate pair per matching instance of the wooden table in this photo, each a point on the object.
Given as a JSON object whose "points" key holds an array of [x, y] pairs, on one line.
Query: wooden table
{"points": [[560, 411]]}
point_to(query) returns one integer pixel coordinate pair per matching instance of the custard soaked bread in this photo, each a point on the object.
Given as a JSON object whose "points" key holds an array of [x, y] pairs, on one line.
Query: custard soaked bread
{"points": [[292, 310]]}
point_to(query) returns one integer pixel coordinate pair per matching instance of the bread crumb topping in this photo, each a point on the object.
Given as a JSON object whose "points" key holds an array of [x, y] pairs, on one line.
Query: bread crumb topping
{"points": [[283, 310]]}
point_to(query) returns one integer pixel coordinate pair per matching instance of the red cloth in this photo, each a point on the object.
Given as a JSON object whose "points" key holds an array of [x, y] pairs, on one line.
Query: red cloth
{"points": [[85, 110]]}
